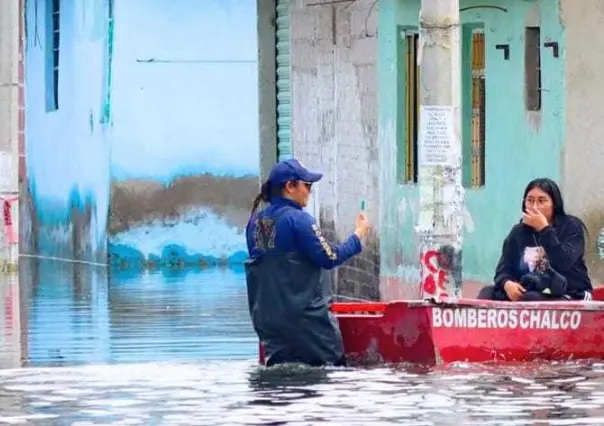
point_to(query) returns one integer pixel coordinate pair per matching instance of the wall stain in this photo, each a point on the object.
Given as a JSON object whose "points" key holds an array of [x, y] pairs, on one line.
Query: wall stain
{"points": [[138, 201]]}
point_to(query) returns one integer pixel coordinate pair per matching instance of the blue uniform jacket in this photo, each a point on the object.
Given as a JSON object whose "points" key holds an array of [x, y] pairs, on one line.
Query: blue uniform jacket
{"points": [[297, 231]]}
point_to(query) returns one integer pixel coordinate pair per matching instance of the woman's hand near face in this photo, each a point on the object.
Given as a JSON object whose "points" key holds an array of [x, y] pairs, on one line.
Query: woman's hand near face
{"points": [[535, 219]]}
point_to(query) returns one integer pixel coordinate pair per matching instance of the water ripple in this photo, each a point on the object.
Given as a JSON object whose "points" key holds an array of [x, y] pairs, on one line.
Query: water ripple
{"points": [[75, 314], [238, 393], [177, 348]]}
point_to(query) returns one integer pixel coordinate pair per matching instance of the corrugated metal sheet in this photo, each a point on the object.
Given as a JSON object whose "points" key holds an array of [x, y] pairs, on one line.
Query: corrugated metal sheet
{"points": [[284, 140]]}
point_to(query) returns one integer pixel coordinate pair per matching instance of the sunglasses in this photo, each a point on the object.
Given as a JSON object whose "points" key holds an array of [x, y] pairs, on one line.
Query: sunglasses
{"points": [[308, 185]]}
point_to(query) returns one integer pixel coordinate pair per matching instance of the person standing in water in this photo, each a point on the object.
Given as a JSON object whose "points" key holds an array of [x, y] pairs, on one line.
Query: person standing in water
{"points": [[288, 298]]}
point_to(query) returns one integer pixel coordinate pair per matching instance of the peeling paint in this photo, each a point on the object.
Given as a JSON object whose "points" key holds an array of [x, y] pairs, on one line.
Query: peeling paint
{"points": [[68, 182], [183, 175], [408, 209], [600, 244], [411, 274]]}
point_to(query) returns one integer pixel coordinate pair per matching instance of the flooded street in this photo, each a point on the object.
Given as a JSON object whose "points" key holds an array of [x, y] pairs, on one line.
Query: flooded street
{"points": [[85, 348], [78, 314]]}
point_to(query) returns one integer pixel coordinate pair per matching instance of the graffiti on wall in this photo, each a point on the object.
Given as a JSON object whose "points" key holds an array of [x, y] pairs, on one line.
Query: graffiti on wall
{"points": [[441, 270], [9, 201], [9, 238], [434, 281], [185, 156]]}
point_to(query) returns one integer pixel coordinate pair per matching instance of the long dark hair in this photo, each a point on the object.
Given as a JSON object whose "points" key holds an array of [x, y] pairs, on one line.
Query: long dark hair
{"points": [[267, 192], [552, 189], [262, 197]]}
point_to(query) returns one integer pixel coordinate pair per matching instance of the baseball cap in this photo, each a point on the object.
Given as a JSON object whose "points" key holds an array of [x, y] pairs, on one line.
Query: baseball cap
{"points": [[291, 170]]}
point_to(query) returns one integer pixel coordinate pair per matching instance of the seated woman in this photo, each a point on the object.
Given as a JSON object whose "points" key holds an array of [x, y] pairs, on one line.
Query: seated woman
{"points": [[542, 258]]}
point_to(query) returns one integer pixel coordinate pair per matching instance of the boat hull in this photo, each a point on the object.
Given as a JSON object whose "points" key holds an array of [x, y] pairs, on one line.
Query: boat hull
{"points": [[469, 330], [472, 331]]}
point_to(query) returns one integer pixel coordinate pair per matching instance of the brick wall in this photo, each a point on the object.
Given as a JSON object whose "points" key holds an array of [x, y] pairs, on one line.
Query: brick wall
{"points": [[334, 123]]}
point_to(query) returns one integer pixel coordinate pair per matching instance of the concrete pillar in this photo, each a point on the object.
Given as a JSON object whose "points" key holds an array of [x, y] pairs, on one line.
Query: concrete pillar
{"points": [[440, 151], [10, 84], [267, 95]]}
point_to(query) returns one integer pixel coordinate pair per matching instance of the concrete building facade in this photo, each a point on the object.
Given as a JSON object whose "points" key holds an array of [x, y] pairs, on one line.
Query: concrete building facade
{"points": [[337, 89], [530, 109], [133, 129], [331, 120]]}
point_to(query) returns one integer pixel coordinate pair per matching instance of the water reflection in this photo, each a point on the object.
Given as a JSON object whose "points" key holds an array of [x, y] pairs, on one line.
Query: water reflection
{"points": [[180, 315], [178, 349], [81, 314], [66, 308], [10, 322]]}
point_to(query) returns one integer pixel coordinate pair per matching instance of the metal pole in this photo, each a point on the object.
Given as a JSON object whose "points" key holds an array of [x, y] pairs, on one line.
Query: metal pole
{"points": [[440, 150]]}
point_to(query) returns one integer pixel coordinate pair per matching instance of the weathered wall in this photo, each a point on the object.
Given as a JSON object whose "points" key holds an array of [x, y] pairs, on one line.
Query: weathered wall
{"points": [[584, 151], [67, 152], [267, 89], [184, 148], [11, 83], [334, 122], [520, 145]]}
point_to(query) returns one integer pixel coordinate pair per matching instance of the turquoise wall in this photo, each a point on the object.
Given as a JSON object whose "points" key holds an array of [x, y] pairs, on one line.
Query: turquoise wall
{"points": [[519, 145]]}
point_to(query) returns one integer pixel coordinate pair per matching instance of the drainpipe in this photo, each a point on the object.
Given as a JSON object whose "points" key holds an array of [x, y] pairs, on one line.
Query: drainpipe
{"points": [[440, 151], [9, 132]]}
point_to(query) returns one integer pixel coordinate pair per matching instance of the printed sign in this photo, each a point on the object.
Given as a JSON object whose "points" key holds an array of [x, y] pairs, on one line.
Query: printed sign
{"points": [[438, 146], [506, 318]]}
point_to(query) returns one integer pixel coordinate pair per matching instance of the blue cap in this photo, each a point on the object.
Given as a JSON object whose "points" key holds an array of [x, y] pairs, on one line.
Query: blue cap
{"points": [[292, 170]]}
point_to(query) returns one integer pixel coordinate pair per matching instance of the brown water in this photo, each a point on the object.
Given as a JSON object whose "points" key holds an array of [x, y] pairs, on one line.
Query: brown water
{"points": [[178, 349]]}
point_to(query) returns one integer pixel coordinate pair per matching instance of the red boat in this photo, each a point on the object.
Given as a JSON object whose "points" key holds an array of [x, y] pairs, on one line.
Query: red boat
{"points": [[471, 330]]}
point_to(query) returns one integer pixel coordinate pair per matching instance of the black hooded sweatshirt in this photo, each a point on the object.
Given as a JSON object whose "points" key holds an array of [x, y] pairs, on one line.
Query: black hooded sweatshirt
{"points": [[564, 246]]}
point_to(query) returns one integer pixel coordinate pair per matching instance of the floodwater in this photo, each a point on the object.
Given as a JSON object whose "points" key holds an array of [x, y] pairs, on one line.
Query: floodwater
{"points": [[79, 347]]}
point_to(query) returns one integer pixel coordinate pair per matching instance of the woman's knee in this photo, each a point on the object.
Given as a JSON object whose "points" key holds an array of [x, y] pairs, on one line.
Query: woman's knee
{"points": [[486, 293], [535, 296], [489, 293]]}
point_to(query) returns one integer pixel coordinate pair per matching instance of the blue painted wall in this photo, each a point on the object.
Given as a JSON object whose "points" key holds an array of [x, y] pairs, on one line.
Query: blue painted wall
{"points": [[157, 106], [185, 150], [66, 147]]}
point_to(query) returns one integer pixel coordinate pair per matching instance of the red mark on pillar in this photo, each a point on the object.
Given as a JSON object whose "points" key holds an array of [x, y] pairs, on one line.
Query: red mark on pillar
{"points": [[10, 235], [434, 278]]}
